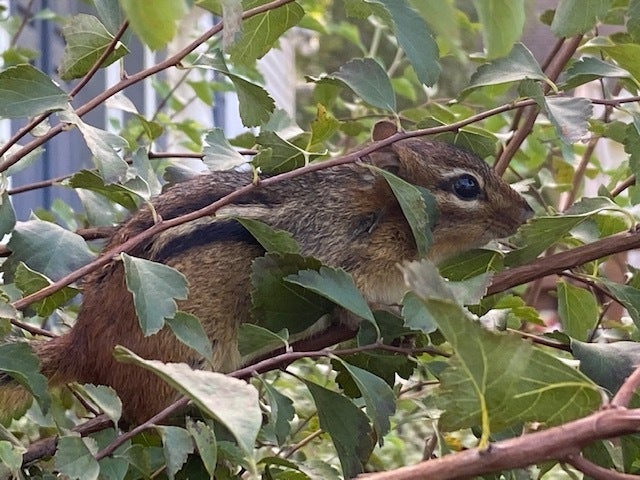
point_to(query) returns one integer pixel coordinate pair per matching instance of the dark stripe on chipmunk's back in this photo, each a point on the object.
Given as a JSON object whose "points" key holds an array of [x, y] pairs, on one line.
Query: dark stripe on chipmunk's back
{"points": [[215, 232]]}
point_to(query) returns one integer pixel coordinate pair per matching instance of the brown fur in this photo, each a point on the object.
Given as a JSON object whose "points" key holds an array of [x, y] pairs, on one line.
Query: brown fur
{"points": [[345, 216]]}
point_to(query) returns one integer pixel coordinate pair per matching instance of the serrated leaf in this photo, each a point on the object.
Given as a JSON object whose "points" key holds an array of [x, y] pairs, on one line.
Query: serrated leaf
{"points": [[377, 395], [497, 380], [75, 460], [578, 310], [418, 206], [106, 399], [541, 232], [177, 444], [282, 157], [188, 329], [218, 152], [48, 248], [278, 304], [607, 364], [86, 39], [416, 315], [624, 54], [415, 38], [569, 116], [118, 193], [255, 103], [348, 426], [271, 239], [519, 65], [230, 401], [262, 31], [30, 281], [573, 17], [158, 25], [154, 287], [502, 24], [281, 411], [369, 81], [205, 440], [26, 92], [19, 361], [336, 285]]}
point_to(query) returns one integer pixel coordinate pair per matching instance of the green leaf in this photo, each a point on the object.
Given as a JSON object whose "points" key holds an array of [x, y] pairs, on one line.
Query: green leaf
{"points": [[262, 31], [188, 329], [624, 54], [11, 457], [281, 411], [19, 361], [48, 248], [415, 38], [253, 339], [254, 102], [271, 239], [322, 127], [336, 285], [629, 297], [607, 364], [416, 315], [29, 281], [115, 192], [230, 401], [574, 17], [218, 152], [578, 310], [177, 445], [26, 92], [502, 22], [348, 426], [588, 69], [86, 39], [418, 206], [75, 459], [7, 214], [541, 232], [496, 380], [278, 304], [377, 395], [158, 25], [470, 264], [569, 116], [205, 440], [282, 155], [519, 65], [106, 399], [104, 147], [369, 81], [154, 287]]}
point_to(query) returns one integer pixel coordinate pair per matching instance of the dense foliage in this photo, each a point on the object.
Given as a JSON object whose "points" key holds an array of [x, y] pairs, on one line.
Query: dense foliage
{"points": [[552, 343]]}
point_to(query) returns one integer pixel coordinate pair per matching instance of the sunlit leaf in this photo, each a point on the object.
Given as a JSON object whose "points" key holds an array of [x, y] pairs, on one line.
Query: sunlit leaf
{"points": [[158, 25], [86, 39], [502, 22], [573, 17], [232, 402], [578, 310]]}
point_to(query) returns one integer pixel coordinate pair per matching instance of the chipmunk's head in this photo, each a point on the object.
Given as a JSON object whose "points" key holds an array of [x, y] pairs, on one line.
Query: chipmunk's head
{"points": [[475, 205]]}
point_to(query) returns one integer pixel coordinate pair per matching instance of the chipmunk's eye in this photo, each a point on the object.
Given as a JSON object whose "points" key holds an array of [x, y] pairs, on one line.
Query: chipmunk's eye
{"points": [[466, 187]]}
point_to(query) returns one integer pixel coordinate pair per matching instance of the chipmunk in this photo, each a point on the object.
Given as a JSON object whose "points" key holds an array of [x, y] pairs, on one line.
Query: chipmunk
{"points": [[345, 216]]}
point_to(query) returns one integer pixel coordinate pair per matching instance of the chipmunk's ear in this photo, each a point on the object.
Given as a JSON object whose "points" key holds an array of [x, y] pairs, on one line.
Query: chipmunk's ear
{"points": [[386, 157]]}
